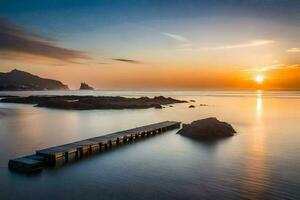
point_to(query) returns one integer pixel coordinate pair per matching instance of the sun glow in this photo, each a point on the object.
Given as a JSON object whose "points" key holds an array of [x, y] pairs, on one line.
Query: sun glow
{"points": [[259, 79]]}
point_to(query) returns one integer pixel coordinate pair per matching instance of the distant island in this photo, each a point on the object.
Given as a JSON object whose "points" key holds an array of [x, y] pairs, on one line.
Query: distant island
{"points": [[85, 86], [17, 80], [93, 102]]}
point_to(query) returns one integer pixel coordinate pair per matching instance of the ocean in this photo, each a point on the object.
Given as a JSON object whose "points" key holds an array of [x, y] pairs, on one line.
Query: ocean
{"points": [[260, 162]]}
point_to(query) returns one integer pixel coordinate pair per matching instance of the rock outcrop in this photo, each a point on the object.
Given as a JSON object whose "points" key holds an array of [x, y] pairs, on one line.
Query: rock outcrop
{"points": [[93, 102], [84, 86], [206, 129]]}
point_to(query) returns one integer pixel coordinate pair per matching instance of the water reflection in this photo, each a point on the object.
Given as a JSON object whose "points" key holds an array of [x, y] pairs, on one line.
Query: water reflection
{"points": [[255, 181], [258, 104]]}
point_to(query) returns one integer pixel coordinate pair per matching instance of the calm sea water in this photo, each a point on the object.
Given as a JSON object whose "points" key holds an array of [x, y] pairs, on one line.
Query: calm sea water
{"points": [[261, 162]]}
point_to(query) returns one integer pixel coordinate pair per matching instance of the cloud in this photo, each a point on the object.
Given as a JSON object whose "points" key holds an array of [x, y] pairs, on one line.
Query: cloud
{"points": [[294, 66], [14, 39], [175, 36], [265, 68], [252, 43], [293, 50], [127, 60], [271, 67]]}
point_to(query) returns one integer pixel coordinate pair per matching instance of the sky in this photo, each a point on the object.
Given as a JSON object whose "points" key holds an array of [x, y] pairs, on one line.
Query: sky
{"points": [[154, 44]]}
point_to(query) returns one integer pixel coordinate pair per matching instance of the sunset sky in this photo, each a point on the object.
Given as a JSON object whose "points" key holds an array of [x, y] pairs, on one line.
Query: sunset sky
{"points": [[152, 44]]}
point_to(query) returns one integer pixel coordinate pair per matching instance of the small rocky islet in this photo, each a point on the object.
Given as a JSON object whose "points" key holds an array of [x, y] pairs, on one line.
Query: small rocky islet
{"points": [[207, 129], [85, 86]]}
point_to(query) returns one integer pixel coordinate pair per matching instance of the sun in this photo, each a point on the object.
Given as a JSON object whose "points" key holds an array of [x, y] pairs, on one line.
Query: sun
{"points": [[259, 79]]}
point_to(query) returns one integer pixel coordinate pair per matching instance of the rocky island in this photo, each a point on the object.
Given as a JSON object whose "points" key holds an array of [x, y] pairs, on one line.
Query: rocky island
{"points": [[85, 86], [207, 129], [93, 102], [17, 80]]}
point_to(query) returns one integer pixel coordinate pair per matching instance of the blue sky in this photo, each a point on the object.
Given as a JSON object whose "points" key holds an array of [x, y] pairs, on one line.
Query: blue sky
{"points": [[169, 34]]}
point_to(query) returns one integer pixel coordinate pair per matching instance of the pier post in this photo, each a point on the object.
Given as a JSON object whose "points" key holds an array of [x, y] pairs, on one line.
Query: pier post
{"points": [[81, 152], [51, 160], [76, 154], [100, 146], [66, 156]]}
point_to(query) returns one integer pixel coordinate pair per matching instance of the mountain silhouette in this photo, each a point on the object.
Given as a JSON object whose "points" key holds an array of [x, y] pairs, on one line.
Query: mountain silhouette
{"points": [[20, 80]]}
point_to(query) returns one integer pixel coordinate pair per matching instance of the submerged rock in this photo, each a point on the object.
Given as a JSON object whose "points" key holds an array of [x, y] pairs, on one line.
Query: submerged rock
{"points": [[158, 106], [209, 128]]}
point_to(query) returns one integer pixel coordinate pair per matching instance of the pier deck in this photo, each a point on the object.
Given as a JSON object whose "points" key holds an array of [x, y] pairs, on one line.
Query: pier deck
{"points": [[81, 148]]}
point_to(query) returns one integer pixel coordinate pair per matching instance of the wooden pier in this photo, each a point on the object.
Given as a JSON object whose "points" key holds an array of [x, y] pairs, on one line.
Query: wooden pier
{"points": [[80, 149]]}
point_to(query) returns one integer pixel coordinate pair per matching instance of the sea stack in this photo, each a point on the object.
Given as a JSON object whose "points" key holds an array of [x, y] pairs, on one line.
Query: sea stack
{"points": [[207, 129], [85, 86]]}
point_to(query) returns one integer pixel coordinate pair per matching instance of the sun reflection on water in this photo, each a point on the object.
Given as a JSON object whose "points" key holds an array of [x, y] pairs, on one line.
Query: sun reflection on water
{"points": [[255, 180], [259, 103]]}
